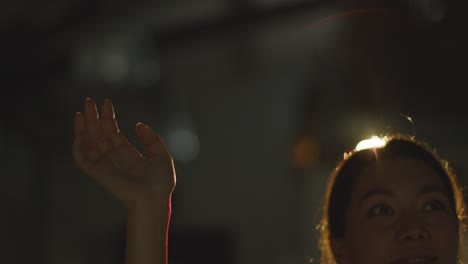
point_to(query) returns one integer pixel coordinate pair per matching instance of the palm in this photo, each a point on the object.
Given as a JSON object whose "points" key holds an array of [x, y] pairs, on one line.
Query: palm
{"points": [[104, 154]]}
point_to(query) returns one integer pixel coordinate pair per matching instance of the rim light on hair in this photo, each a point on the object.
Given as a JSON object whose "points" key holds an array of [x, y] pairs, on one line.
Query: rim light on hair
{"points": [[370, 143], [373, 142]]}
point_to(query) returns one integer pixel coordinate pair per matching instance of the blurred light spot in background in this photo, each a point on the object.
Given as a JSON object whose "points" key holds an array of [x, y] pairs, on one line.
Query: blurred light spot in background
{"points": [[305, 152], [183, 144], [181, 139], [112, 65], [122, 59], [96, 62]]}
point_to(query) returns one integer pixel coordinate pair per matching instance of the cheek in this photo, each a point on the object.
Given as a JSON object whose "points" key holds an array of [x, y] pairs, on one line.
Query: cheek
{"points": [[445, 236], [443, 226], [370, 242]]}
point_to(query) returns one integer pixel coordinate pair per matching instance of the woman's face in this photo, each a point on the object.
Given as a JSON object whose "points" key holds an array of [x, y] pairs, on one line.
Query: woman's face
{"points": [[399, 213]]}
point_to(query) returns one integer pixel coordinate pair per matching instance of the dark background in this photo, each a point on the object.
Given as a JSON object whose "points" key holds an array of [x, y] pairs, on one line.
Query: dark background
{"points": [[257, 100]]}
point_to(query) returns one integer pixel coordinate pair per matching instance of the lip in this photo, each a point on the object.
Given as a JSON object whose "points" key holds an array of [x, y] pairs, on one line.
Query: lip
{"points": [[415, 260]]}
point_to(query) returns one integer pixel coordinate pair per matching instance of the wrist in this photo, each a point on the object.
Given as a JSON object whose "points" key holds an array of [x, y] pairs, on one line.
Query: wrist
{"points": [[151, 206]]}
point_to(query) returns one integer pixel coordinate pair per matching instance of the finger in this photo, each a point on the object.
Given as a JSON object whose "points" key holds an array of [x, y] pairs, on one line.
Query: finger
{"points": [[110, 127], [87, 147], [85, 158], [79, 144], [79, 125], [108, 122], [93, 125], [152, 142], [80, 157], [118, 140]]}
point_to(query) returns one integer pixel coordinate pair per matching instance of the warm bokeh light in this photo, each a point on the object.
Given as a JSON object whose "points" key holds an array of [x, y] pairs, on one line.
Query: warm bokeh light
{"points": [[305, 152]]}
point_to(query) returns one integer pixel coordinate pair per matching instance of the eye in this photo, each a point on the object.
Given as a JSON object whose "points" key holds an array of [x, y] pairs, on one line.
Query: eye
{"points": [[434, 205], [380, 209]]}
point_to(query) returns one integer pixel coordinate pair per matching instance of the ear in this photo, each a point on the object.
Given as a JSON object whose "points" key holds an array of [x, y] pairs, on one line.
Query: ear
{"points": [[338, 248]]}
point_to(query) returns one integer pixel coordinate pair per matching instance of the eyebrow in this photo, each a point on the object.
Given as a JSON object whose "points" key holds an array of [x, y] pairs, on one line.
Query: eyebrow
{"points": [[430, 188]]}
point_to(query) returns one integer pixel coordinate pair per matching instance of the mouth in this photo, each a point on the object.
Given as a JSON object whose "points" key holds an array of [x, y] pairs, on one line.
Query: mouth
{"points": [[415, 260]]}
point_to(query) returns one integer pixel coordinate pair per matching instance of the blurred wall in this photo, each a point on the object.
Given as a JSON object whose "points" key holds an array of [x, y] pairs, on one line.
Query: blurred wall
{"points": [[257, 101]]}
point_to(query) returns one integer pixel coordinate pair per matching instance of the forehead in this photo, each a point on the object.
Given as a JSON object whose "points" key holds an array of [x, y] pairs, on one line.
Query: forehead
{"points": [[397, 173]]}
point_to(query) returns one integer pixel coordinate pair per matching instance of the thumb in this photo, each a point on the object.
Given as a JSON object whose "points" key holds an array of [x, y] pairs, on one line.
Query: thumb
{"points": [[152, 141]]}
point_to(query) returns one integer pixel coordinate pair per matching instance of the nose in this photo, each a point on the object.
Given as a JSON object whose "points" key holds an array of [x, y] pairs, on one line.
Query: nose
{"points": [[414, 234], [412, 229]]}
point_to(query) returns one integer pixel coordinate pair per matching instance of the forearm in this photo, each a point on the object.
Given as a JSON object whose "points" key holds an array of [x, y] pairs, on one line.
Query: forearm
{"points": [[147, 232]]}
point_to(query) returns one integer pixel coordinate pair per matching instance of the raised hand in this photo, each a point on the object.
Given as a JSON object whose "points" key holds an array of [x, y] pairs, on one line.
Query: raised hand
{"points": [[104, 154]]}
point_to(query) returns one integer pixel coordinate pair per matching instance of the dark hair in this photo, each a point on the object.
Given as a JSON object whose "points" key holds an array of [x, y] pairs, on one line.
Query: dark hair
{"points": [[342, 181]]}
